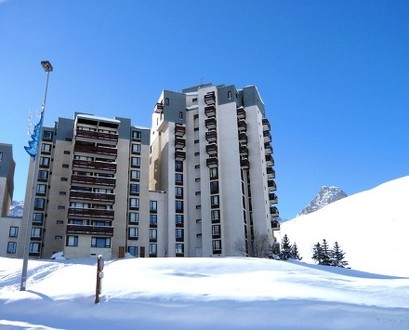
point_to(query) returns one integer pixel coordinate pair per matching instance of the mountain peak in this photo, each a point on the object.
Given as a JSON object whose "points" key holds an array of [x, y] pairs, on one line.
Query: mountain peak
{"points": [[326, 195]]}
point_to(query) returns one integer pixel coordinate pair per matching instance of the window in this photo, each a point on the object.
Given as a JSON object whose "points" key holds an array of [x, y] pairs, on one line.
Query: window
{"points": [[133, 233], [153, 220], [180, 115], [179, 192], [136, 148], [178, 166], [42, 175], [67, 152], [133, 250], [179, 178], [13, 231], [213, 173], [48, 135], [59, 222], [63, 193], [133, 217], [134, 189], [217, 246], [216, 231], [61, 207], [153, 206], [136, 135], [179, 206], [44, 162], [153, 250], [58, 238], [179, 219], [179, 234], [214, 201], [135, 175], [214, 187], [36, 232], [34, 248], [134, 203], [101, 242], [153, 234], [41, 189], [11, 247], [38, 217], [39, 204], [46, 148], [65, 165], [136, 161], [64, 179], [179, 248], [229, 95], [215, 215], [167, 101]]}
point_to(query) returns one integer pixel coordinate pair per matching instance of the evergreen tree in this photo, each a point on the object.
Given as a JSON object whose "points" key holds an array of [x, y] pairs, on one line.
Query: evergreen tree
{"points": [[338, 256], [317, 253], [285, 252], [294, 252], [326, 253]]}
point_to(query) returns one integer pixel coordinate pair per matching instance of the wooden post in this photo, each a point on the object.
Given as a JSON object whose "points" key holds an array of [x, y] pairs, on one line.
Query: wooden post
{"points": [[100, 275]]}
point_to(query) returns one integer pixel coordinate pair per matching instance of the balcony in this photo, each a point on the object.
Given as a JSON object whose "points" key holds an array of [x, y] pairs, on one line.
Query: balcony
{"points": [[158, 108], [180, 143], [244, 163], [212, 162], [241, 113], [243, 138], [210, 98], [268, 148], [242, 126], [274, 211], [180, 155], [211, 149], [94, 165], [180, 130], [244, 151], [211, 136], [266, 124], [210, 111], [275, 225], [267, 136], [94, 135], [269, 160], [89, 196], [89, 230], [271, 173], [272, 197], [91, 213], [93, 149], [211, 123], [271, 184], [93, 180]]}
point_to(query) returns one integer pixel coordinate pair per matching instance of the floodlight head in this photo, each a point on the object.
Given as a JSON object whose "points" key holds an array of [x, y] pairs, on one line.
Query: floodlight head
{"points": [[47, 66]]}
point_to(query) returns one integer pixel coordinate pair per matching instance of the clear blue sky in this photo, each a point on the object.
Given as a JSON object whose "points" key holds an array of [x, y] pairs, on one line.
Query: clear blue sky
{"points": [[334, 76]]}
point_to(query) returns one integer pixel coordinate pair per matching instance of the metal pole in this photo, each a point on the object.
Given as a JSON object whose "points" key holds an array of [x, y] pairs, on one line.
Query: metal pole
{"points": [[34, 165]]}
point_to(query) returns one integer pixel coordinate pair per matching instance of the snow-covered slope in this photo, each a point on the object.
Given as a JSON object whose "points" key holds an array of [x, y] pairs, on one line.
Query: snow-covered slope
{"points": [[326, 195], [199, 293], [372, 227]]}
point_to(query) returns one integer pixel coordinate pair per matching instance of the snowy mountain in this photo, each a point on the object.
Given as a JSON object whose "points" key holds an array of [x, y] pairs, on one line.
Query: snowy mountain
{"points": [[371, 227], [326, 195], [199, 293], [16, 209]]}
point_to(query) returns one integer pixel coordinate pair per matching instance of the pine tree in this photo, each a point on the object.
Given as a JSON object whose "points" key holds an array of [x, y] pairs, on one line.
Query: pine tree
{"points": [[338, 256], [285, 253], [317, 253], [326, 253], [294, 252]]}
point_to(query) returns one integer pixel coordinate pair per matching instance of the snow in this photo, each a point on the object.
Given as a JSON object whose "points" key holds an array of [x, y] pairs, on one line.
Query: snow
{"points": [[371, 227], [199, 293]]}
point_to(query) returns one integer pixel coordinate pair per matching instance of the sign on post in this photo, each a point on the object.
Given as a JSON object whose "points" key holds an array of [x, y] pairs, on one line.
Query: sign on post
{"points": [[100, 275]]}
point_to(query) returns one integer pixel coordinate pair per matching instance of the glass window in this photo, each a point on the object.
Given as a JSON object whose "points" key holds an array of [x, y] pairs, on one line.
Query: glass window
{"points": [[135, 175], [179, 219], [153, 249], [179, 192], [136, 161], [214, 187], [153, 219], [153, 233], [179, 178], [46, 148], [179, 206], [178, 166], [134, 203], [134, 189], [36, 232], [216, 230], [72, 241], [42, 175], [13, 231], [44, 161], [214, 201], [136, 148], [38, 217], [133, 250], [47, 135], [39, 203], [133, 232], [41, 189], [11, 247], [34, 248], [136, 135], [179, 233], [179, 248], [153, 206], [213, 173], [215, 215], [133, 217], [180, 114], [101, 242], [217, 246]]}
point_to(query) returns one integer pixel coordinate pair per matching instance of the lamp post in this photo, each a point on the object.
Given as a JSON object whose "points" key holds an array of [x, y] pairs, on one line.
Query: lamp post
{"points": [[32, 150]]}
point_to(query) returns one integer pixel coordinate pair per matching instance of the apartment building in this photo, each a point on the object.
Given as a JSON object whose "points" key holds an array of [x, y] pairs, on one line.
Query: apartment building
{"points": [[10, 233], [196, 183], [211, 152]]}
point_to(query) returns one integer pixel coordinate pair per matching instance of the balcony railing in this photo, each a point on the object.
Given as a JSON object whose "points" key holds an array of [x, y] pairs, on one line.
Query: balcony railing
{"points": [[267, 136], [212, 162], [180, 155], [210, 111], [243, 138], [210, 98], [158, 107], [94, 135], [180, 143], [266, 124], [89, 230], [242, 126], [180, 130], [244, 151], [93, 180], [271, 173], [80, 195], [211, 136], [275, 225], [211, 149], [94, 165], [244, 163], [91, 213], [271, 184], [210, 123], [269, 160], [268, 148], [274, 211], [273, 198], [93, 149], [241, 113]]}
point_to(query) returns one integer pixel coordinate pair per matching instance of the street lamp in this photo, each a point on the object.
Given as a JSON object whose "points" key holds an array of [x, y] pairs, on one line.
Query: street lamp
{"points": [[32, 150]]}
